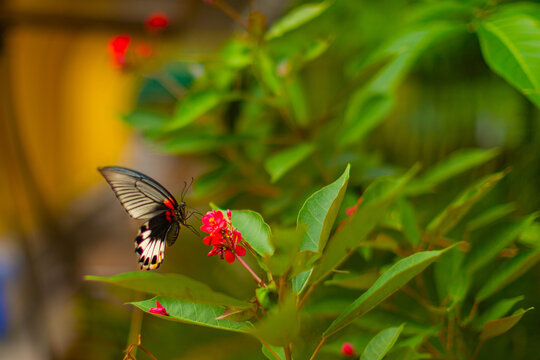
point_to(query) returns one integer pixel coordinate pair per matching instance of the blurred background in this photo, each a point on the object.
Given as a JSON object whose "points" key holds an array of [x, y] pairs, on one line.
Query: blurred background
{"points": [[65, 94]]}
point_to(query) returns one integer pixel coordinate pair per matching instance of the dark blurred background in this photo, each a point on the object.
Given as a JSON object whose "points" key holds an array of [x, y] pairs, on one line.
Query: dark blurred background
{"points": [[62, 99]]}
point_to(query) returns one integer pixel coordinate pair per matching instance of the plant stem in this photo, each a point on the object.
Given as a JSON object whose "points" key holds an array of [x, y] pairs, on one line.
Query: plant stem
{"points": [[287, 350], [257, 278], [477, 350], [306, 295], [270, 349], [230, 12], [323, 340], [135, 327]]}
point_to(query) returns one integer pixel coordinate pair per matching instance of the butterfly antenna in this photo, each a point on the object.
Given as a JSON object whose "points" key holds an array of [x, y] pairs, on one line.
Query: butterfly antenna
{"points": [[195, 211], [187, 187]]}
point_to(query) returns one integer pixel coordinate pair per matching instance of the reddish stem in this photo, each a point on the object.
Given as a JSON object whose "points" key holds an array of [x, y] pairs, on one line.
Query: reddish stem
{"points": [[257, 278]]}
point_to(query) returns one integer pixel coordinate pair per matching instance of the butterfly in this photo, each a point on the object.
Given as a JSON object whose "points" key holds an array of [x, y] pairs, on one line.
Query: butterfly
{"points": [[144, 198]]}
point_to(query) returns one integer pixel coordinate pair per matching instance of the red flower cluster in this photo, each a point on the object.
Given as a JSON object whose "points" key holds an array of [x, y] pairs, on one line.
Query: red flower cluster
{"points": [[223, 236], [158, 310], [156, 22], [347, 349]]}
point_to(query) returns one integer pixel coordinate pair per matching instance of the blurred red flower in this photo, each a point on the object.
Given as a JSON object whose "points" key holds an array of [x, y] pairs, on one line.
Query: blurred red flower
{"points": [[118, 47], [347, 349], [156, 22]]}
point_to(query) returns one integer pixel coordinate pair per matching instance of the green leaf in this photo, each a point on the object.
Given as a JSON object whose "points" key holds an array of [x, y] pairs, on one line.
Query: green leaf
{"points": [[494, 241], [280, 352], [371, 103], [510, 271], [510, 44], [500, 326], [267, 69], [194, 142], [490, 216], [174, 286], [531, 235], [193, 106], [280, 325], [408, 222], [496, 311], [376, 201], [320, 211], [297, 99], [287, 242], [391, 281], [297, 17], [193, 313], [254, 230], [214, 180], [280, 163], [148, 122], [364, 112], [381, 343], [450, 216], [455, 164], [354, 280]]}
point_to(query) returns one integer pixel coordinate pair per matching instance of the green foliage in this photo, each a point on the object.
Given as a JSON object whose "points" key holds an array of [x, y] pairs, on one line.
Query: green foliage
{"points": [[391, 281], [321, 113], [379, 346]]}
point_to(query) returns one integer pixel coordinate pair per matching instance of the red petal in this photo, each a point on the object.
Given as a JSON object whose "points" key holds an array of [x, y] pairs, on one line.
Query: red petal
{"points": [[214, 251], [229, 256], [207, 240], [239, 250], [237, 236], [207, 228], [229, 213]]}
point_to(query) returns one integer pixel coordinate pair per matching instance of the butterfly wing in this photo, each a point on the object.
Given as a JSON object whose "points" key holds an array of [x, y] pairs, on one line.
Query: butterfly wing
{"points": [[151, 239], [141, 196]]}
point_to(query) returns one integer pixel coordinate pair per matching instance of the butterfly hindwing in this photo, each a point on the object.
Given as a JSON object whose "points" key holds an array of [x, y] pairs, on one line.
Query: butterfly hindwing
{"points": [[151, 239]]}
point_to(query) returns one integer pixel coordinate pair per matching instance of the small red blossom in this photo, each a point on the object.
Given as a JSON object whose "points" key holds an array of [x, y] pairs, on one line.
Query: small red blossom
{"points": [[118, 47], [159, 310], [224, 238], [156, 22], [347, 349]]}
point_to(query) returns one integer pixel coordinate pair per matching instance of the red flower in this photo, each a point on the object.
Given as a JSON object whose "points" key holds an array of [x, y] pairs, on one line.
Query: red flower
{"points": [[158, 310], [118, 47], [156, 22], [347, 349], [224, 238]]}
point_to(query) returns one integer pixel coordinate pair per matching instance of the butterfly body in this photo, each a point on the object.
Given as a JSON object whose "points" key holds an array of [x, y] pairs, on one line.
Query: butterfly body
{"points": [[144, 198]]}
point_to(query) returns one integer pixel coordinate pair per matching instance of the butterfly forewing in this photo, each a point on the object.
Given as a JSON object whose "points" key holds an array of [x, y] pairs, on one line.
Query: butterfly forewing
{"points": [[141, 196]]}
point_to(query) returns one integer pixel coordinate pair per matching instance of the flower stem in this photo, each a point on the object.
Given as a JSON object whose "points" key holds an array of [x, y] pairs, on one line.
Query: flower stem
{"points": [[323, 340], [230, 12], [257, 278]]}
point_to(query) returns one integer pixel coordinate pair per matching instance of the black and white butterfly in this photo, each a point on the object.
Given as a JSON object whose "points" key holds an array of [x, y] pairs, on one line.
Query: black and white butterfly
{"points": [[145, 199]]}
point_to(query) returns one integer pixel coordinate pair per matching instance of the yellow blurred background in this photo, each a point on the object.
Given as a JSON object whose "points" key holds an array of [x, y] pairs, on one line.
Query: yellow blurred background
{"points": [[61, 107]]}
